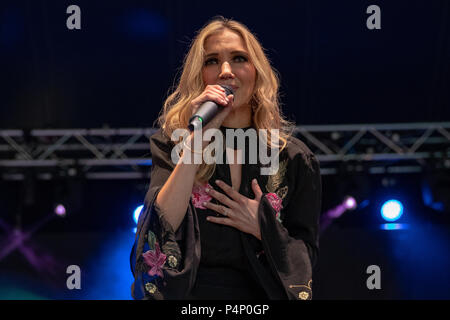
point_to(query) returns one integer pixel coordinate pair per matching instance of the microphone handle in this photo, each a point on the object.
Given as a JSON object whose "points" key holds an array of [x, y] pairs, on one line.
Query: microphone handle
{"points": [[207, 111], [204, 114]]}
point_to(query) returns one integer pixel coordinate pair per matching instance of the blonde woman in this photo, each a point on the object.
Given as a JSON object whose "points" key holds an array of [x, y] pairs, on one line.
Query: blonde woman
{"points": [[224, 230]]}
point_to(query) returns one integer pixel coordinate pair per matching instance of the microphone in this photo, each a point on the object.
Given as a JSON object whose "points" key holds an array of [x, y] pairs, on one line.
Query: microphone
{"points": [[207, 111]]}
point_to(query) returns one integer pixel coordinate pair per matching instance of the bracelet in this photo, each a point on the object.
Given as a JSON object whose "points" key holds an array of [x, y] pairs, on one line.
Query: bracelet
{"points": [[185, 145]]}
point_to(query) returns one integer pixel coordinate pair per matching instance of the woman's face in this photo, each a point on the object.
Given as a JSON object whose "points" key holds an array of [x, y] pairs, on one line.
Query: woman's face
{"points": [[227, 63]]}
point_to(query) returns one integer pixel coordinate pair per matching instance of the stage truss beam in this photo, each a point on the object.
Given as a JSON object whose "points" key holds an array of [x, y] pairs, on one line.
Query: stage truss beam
{"points": [[125, 153]]}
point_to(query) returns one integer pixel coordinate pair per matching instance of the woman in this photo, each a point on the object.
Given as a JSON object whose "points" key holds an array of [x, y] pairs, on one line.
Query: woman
{"points": [[224, 230]]}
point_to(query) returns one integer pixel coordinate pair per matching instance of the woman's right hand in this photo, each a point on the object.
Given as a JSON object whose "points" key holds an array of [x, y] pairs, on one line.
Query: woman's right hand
{"points": [[217, 94]]}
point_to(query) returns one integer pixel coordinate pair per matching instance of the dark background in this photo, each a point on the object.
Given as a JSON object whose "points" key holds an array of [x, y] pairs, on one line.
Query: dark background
{"points": [[118, 68], [117, 71]]}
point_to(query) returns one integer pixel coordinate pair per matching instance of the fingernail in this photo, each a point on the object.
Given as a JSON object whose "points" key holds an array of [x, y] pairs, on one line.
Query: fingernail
{"points": [[218, 182], [204, 204], [207, 190]]}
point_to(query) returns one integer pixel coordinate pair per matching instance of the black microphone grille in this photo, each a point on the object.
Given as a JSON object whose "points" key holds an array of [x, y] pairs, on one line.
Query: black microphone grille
{"points": [[229, 90]]}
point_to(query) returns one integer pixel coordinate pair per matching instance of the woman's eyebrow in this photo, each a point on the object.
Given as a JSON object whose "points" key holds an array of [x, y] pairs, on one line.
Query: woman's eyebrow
{"points": [[214, 54]]}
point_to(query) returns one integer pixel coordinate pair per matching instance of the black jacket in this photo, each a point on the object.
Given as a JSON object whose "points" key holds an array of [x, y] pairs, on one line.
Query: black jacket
{"points": [[289, 240]]}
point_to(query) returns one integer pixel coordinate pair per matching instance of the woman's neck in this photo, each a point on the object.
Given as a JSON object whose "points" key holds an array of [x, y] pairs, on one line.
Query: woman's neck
{"points": [[239, 118]]}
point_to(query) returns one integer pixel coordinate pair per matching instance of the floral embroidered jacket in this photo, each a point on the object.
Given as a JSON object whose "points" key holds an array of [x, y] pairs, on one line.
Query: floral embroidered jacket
{"points": [[164, 263]]}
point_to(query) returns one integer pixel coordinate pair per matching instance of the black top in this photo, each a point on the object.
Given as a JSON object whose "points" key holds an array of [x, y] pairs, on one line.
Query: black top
{"points": [[205, 260], [224, 270]]}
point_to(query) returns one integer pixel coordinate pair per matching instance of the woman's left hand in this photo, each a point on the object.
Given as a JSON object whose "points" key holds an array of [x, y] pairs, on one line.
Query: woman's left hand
{"points": [[240, 212]]}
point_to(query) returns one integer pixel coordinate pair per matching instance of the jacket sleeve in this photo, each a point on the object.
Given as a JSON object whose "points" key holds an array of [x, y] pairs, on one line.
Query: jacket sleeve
{"points": [[159, 253], [291, 243]]}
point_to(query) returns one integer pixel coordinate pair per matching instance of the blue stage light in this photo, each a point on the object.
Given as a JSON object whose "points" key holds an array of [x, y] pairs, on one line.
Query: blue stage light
{"points": [[392, 210], [394, 226], [137, 212]]}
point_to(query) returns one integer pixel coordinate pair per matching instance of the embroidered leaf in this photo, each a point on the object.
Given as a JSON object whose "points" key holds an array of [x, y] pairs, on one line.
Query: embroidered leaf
{"points": [[282, 192], [274, 181], [151, 240]]}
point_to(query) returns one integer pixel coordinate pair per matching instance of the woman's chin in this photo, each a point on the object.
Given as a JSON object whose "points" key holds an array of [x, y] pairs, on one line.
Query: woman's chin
{"points": [[239, 105]]}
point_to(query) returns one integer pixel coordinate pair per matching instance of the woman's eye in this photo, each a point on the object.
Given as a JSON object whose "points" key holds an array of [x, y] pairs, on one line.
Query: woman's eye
{"points": [[210, 61], [216, 61], [240, 58]]}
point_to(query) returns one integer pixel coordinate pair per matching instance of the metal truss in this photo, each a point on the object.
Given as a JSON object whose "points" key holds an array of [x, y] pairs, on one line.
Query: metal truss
{"points": [[125, 153], [379, 148]]}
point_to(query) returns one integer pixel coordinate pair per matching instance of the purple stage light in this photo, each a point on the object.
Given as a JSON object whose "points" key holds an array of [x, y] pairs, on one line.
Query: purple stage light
{"points": [[60, 210], [16, 239], [350, 203]]}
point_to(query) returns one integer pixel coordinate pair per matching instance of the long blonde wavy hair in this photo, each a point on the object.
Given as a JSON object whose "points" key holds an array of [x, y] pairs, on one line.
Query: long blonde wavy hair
{"points": [[264, 101]]}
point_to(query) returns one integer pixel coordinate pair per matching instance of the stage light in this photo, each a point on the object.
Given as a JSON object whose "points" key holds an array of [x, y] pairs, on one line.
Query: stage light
{"points": [[394, 226], [392, 210], [435, 191], [350, 203], [137, 212], [60, 210]]}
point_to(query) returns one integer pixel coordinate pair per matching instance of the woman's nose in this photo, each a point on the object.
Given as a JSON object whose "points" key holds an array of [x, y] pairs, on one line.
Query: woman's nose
{"points": [[226, 71]]}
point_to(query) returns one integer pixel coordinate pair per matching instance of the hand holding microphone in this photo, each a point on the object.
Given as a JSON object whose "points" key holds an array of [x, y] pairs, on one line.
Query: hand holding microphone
{"points": [[212, 107]]}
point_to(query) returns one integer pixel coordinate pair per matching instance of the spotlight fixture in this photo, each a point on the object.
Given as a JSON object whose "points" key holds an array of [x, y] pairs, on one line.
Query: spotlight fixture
{"points": [[392, 210], [137, 212], [350, 203], [60, 210]]}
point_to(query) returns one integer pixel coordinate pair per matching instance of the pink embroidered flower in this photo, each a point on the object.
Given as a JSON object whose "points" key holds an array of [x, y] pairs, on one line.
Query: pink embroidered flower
{"points": [[155, 259], [275, 202], [199, 195]]}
